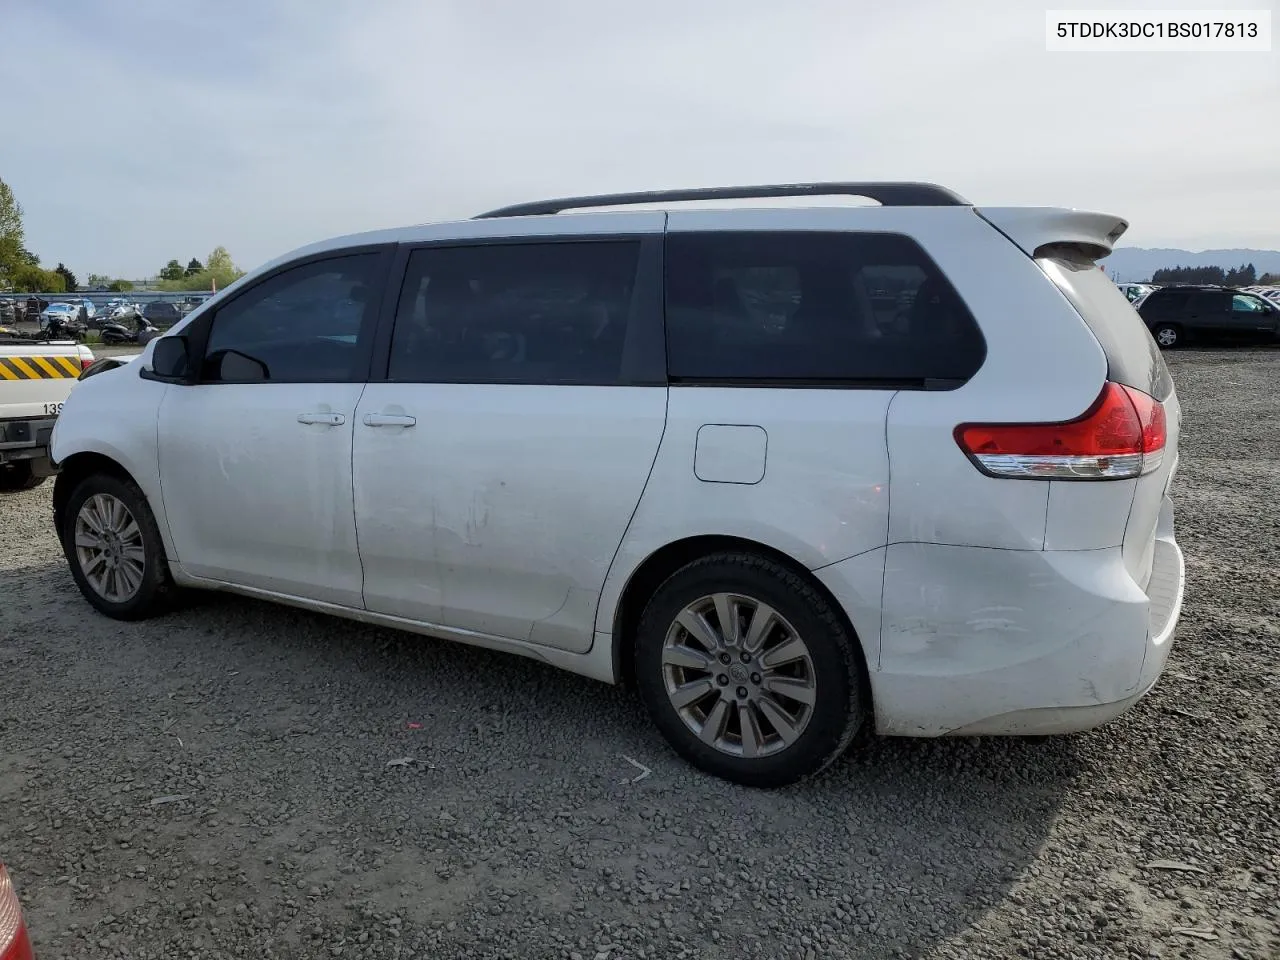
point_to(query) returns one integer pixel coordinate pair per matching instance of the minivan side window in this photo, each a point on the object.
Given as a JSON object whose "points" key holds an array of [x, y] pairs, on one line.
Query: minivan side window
{"points": [[531, 312], [301, 325], [840, 309]]}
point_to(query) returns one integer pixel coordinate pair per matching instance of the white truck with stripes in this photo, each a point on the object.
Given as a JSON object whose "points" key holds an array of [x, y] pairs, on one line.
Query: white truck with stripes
{"points": [[36, 377]]}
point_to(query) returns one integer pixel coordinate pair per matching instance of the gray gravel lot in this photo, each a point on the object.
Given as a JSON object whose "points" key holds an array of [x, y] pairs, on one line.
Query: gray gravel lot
{"points": [[217, 783]]}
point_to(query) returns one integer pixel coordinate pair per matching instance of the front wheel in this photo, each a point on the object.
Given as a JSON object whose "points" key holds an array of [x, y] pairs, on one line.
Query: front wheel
{"points": [[748, 670], [1167, 335], [113, 546]]}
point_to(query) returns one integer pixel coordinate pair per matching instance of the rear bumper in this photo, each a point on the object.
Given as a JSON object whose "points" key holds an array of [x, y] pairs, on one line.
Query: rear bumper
{"points": [[26, 439], [976, 641]]}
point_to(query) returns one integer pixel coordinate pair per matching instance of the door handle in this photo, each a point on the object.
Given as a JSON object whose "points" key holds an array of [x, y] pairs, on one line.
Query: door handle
{"points": [[327, 419], [388, 420]]}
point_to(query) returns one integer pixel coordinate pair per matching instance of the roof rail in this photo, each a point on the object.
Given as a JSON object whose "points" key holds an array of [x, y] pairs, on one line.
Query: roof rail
{"points": [[887, 194]]}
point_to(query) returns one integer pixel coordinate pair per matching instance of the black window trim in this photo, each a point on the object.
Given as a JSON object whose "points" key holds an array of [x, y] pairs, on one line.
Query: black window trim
{"points": [[645, 350], [198, 333], [922, 384]]}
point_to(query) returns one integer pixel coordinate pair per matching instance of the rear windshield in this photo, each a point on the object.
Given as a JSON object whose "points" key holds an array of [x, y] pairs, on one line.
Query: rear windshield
{"points": [[1132, 355]]}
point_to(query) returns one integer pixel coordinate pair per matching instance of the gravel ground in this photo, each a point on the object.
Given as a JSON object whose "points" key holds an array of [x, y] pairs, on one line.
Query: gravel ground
{"points": [[218, 783]]}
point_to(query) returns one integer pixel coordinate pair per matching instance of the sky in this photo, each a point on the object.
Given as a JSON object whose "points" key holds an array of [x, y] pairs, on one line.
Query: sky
{"points": [[140, 131]]}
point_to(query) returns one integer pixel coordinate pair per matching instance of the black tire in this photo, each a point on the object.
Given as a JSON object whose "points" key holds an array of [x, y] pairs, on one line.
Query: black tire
{"points": [[838, 669], [157, 592], [17, 475], [1167, 335]]}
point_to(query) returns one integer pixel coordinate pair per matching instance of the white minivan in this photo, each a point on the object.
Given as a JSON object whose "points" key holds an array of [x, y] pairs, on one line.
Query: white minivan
{"points": [[789, 471]]}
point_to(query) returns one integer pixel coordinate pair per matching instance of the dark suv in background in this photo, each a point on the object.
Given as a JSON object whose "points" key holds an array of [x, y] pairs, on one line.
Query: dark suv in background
{"points": [[161, 313], [1177, 314]]}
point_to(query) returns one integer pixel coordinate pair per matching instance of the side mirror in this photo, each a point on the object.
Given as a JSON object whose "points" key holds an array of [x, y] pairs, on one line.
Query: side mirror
{"points": [[170, 359]]}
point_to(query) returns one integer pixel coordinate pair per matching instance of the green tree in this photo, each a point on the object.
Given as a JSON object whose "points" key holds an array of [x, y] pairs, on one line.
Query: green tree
{"points": [[1269, 279], [219, 271], [29, 279], [119, 286], [194, 267], [97, 281], [11, 236], [172, 271], [68, 278]]}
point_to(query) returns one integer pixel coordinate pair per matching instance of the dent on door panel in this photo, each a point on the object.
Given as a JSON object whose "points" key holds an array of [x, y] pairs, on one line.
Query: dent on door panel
{"points": [[500, 511]]}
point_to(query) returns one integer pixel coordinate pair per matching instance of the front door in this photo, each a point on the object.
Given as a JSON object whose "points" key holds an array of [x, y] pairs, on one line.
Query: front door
{"points": [[499, 462], [255, 458], [1252, 316]]}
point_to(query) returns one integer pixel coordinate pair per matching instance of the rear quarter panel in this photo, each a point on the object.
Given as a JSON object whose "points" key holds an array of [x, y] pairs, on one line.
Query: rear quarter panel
{"points": [[1042, 365]]}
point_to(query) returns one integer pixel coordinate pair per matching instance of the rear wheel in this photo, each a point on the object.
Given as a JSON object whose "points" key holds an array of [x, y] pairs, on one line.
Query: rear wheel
{"points": [[18, 475], [1167, 335], [111, 541], [748, 670]]}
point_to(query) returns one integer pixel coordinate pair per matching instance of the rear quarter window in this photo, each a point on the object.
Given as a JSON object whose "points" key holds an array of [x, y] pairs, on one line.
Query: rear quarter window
{"points": [[814, 308], [1133, 358]]}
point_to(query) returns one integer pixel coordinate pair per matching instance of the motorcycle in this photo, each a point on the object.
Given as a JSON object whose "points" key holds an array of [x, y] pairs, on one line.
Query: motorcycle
{"points": [[116, 332], [60, 329]]}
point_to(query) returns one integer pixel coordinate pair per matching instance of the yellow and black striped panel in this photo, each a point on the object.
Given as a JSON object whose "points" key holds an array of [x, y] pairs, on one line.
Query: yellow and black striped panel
{"points": [[39, 368]]}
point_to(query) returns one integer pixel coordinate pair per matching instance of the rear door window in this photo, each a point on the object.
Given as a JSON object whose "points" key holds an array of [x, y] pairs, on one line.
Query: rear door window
{"points": [[1209, 301], [533, 312], [814, 308]]}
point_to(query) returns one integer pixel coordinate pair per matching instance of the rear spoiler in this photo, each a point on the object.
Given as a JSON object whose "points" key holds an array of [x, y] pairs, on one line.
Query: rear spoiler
{"points": [[1039, 230]]}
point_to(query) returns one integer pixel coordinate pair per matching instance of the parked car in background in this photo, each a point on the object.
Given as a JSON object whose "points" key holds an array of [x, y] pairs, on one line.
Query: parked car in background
{"points": [[117, 310], [14, 942], [1135, 291], [189, 303], [8, 313], [66, 312], [162, 313], [90, 308], [961, 527], [1179, 314]]}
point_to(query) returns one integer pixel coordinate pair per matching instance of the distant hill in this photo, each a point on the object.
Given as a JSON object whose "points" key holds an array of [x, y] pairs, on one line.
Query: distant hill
{"points": [[1138, 263]]}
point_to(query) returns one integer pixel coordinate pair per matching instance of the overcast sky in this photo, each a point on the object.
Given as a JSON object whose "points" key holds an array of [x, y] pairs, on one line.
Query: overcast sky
{"points": [[140, 131]]}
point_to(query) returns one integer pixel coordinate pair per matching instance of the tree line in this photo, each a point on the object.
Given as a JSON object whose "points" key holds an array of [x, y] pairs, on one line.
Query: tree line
{"points": [[1244, 275], [21, 271]]}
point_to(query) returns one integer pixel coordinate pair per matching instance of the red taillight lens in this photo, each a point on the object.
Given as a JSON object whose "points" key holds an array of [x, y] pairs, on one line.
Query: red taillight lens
{"points": [[86, 363], [14, 944], [1122, 435]]}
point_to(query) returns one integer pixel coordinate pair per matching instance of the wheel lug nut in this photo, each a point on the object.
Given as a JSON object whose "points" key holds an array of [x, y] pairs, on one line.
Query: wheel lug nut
{"points": [[746, 657], [725, 658], [742, 693], [755, 678], [722, 680]]}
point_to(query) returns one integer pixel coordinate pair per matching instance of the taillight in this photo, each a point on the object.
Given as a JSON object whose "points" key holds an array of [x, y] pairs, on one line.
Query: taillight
{"points": [[86, 363], [1121, 436], [14, 944]]}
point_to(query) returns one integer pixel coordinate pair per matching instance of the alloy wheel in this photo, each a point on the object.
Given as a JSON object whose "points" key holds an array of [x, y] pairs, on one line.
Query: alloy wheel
{"points": [[739, 675], [109, 548]]}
